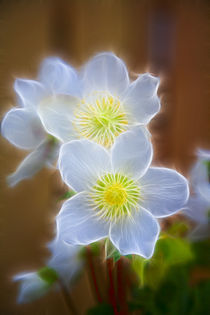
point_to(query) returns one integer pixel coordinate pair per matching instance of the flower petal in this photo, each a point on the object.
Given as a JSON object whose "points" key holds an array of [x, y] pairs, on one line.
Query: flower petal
{"points": [[164, 191], [58, 77], [132, 152], [65, 259], [136, 235], [56, 113], [29, 92], [22, 128], [199, 175], [77, 222], [105, 72], [141, 98], [142, 110], [32, 287], [81, 162], [144, 86], [32, 164], [203, 154]]}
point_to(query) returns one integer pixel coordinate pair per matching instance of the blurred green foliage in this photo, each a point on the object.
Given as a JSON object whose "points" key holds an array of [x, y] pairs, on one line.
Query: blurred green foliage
{"points": [[101, 309], [169, 288], [174, 281]]}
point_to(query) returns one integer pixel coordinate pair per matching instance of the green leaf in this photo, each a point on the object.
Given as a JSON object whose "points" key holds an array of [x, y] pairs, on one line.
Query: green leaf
{"points": [[95, 248], [138, 264], [48, 274], [111, 251], [130, 257], [67, 195], [101, 309], [116, 255], [173, 250], [169, 251]]}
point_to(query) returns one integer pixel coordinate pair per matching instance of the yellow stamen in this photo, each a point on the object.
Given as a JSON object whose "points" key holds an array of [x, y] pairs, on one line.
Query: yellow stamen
{"points": [[115, 196], [101, 120]]}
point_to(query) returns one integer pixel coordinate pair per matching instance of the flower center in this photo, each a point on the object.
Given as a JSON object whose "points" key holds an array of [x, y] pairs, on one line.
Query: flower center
{"points": [[102, 119], [115, 196]]}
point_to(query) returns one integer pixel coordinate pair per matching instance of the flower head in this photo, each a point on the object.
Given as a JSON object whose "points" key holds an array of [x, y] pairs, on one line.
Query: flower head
{"points": [[98, 104], [119, 196], [22, 125], [198, 206], [200, 174], [107, 103], [32, 286]]}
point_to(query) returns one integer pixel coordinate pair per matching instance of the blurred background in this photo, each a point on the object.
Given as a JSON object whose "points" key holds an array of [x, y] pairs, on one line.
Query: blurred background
{"points": [[170, 39]]}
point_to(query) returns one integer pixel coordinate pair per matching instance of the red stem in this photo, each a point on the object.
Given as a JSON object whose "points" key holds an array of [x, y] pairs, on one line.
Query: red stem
{"points": [[111, 290], [92, 275], [121, 288]]}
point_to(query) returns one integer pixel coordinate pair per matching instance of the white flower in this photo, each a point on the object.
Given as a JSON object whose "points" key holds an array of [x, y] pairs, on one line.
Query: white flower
{"points": [[64, 264], [198, 206], [65, 260], [107, 104], [32, 287], [119, 196], [200, 174], [98, 104], [22, 125], [198, 210]]}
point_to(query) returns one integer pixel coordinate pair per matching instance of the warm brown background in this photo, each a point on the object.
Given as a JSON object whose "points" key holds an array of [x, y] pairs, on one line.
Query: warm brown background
{"points": [[169, 38]]}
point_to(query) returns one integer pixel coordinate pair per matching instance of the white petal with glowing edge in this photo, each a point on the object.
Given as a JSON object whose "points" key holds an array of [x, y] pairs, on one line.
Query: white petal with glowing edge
{"points": [[58, 77], [29, 92], [164, 191], [82, 162], [77, 222], [32, 164], [65, 259], [136, 235], [22, 128], [32, 287], [105, 72], [56, 113], [132, 152]]}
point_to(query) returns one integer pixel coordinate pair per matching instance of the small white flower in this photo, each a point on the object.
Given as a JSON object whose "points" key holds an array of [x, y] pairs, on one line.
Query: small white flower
{"points": [[198, 210], [200, 174], [22, 125], [64, 264], [107, 104], [32, 287], [119, 196], [198, 206], [65, 260]]}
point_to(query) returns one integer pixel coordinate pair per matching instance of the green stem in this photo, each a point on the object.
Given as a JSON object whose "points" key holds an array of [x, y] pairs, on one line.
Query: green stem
{"points": [[142, 273]]}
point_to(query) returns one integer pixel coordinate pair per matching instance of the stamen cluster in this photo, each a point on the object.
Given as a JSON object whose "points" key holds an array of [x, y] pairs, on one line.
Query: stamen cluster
{"points": [[102, 120], [115, 196]]}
